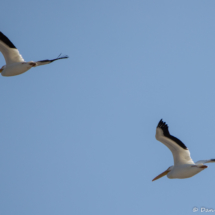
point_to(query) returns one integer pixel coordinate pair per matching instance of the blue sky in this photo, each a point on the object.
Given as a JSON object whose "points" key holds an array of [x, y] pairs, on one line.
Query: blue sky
{"points": [[78, 135]]}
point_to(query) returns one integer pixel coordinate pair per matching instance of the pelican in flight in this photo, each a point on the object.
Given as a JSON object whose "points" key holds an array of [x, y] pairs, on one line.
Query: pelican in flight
{"points": [[184, 167], [15, 64]]}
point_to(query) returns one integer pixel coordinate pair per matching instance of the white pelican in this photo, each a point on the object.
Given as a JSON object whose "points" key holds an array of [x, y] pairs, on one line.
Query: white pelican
{"points": [[15, 64], [184, 167]]}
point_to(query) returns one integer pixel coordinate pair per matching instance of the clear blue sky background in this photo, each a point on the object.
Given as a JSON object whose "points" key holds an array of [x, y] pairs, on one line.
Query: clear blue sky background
{"points": [[78, 135]]}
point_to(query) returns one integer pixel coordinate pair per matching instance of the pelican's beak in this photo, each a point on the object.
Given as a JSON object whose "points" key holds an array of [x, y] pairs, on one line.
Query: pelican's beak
{"points": [[161, 175], [1, 70]]}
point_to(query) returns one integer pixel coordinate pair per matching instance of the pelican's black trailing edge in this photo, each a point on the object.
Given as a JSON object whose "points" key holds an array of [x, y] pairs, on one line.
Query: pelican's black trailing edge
{"points": [[5, 40], [166, 133]]}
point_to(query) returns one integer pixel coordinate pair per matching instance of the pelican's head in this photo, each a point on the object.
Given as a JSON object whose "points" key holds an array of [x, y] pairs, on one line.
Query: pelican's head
{"points": [[163, 173]]}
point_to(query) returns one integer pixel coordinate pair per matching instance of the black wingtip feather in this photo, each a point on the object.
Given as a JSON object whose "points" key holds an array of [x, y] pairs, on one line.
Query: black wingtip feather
{"points": [[58, 58], [6, 40], [166, 133], [164, 127]]}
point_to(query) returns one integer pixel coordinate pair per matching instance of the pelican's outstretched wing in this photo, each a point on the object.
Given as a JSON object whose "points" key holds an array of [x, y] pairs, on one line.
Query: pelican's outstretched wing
{"points": [[179, 151], [205, 161], [43, 62], [9, 51]]}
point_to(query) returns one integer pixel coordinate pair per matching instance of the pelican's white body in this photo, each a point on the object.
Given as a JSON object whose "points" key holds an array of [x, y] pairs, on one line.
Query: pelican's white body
{"points": [[184, 171], [15, 68]]}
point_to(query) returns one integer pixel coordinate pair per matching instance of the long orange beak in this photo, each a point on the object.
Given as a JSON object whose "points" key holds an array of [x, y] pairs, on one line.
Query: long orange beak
{"points": [[161, 175]]}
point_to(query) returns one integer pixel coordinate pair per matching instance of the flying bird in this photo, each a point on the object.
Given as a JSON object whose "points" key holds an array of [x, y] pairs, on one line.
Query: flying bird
{"points": [[15, 64], [184, 167]]}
